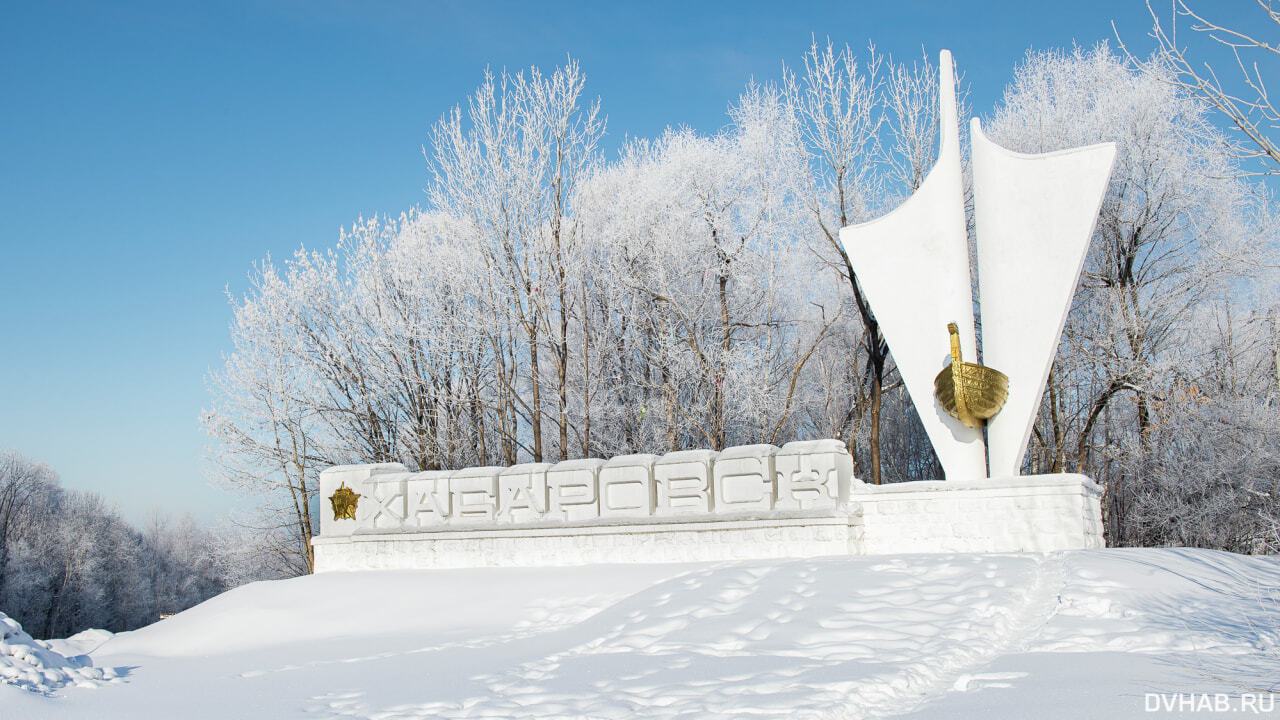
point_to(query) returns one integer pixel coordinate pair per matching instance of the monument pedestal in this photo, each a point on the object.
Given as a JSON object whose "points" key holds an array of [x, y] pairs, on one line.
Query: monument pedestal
{"points": [[1032, 513], [703, 540]]}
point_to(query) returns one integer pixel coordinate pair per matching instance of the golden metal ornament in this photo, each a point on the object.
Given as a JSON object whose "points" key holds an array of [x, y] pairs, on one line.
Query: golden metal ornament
{"points": [[970, 392], [344, 501]]}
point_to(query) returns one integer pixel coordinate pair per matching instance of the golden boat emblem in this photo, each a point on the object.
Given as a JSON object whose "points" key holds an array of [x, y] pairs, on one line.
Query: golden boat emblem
{"points": [[344, 501], [969, 392]]}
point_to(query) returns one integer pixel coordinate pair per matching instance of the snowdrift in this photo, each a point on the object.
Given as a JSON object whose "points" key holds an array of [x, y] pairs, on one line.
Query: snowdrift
{"points": [[1072, 634], [40, 667]]}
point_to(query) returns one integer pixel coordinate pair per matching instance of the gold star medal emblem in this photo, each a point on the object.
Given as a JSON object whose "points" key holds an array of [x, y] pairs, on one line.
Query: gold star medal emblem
{"points": [[344, 501]]}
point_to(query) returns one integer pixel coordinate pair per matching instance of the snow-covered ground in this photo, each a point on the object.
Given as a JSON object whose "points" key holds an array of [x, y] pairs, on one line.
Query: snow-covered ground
{"points": [[1094, 634]]}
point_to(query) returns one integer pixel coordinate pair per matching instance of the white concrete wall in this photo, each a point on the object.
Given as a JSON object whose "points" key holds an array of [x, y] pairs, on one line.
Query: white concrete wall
{"points": [[756, 501], [747, 480], [707, 540], [1025, 513]]}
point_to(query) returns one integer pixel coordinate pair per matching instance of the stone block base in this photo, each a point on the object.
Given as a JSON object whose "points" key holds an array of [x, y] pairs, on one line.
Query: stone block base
{"points": [[1036, 513], [654, 542]]}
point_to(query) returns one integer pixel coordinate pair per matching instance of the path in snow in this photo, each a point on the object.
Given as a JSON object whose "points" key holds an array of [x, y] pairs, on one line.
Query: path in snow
{"points": [[826, 637]]}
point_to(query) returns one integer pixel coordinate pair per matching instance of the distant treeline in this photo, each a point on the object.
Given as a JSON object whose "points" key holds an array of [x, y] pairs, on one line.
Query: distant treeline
{"points": [[68, 561]]}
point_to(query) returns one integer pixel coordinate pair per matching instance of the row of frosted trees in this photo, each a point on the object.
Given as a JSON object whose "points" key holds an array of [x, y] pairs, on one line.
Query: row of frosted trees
{"points": [[550, 302], [68, 561]]}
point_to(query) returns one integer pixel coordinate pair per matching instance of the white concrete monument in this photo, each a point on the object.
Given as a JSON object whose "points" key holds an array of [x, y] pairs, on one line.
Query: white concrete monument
{"points": [[1034, 217]]}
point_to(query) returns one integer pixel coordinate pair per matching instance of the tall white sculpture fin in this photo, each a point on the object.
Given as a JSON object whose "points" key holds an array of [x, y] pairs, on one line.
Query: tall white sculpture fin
{"points": [[1035, 215], [913, 266]]}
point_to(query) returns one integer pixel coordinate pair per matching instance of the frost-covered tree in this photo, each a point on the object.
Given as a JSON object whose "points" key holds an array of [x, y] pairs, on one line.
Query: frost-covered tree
{"points": [[869, 130], [69, 562], [1209, 475], [268, 435], [838, 104], [1234, 78], [1174, 225], [509, 166], [25, 487]]}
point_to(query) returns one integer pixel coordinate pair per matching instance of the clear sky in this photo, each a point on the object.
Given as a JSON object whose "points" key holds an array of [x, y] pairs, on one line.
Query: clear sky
{"points": [[151, 152]]}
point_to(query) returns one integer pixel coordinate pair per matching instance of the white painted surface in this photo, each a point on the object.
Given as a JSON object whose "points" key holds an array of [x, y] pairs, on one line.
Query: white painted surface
{"points": [[522, 492], [356, 477], [1035, 215], [1034, 513], [426, 494], [913, 266], [745, 478], [660, 542], [573, 490], [683, 483], [813, 475], [474, 493], [382, 504], [800, 500], [626, 486]]}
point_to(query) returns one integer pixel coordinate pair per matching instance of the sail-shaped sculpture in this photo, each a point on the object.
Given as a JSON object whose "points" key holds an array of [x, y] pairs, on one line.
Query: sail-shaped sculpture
{"points": [[1034, 216], [913, 266]]}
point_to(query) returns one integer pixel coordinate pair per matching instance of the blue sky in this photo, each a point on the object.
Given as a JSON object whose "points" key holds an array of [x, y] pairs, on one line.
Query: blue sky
{"points": [[151, 152]]}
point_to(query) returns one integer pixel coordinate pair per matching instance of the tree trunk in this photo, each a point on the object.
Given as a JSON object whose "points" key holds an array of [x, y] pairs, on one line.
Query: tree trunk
{"points": [[1275, 341], [55, 603], [535, 415], [1059, 444], [876, 392], [562, 378], [1144, 419], [717, 421], [877, 354], [586, 376], [669, 399], [477, 416]]}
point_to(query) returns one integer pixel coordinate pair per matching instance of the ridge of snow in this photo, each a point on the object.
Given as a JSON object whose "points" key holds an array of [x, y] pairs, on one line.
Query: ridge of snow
{"points": [[82, 643]]}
